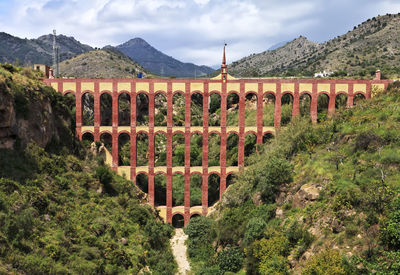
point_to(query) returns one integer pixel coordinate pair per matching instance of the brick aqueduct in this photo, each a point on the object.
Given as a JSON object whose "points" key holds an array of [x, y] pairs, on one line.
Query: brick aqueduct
{"points": [[224, 84]]}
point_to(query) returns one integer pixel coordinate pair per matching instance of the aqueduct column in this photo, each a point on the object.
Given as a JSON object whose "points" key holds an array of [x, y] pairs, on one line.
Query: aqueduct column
{"points": [[169, 152], [187, 152], [314, 104], [260, 98], [278, 105], [222, 157], [78, 112], [242, 98], [350, 95], [133, 131], [204, 187], [332, 98], [296, 100]]}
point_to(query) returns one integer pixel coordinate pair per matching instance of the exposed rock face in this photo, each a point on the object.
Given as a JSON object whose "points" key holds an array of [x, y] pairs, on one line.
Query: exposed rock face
{"points": [[307, 193], [39, 125]]}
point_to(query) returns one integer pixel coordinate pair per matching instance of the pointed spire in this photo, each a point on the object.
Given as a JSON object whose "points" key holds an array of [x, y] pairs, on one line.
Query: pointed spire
{"points": [[224, 67], [223, 56]]}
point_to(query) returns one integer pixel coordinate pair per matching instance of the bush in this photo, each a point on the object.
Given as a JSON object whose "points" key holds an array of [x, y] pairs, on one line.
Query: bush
{"points": [[201, 232], [327, 262], [390, 232], [254, 230], [230, 259]]}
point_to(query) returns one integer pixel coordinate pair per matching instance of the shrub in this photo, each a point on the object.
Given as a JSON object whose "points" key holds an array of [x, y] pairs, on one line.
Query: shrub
{"points": [[201, 232], [327, 262], [254, 230], [390, 232], [230, 259]]}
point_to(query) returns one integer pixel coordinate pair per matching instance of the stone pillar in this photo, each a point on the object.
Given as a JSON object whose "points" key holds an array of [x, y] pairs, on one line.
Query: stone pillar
{"points": [[296, 100], [278, 105], [260, 98], [223, 137], [151, 138], [133, 131], [350, 96], [242, 99], [314, 104], [96, 105], [204, 186], [169, 152], [115, 133], [187, 152], [332, 99], [368, 92], [78, 112]]}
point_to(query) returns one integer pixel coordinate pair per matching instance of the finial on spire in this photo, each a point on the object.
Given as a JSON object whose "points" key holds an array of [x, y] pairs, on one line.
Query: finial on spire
{"points": [[223, 56]]}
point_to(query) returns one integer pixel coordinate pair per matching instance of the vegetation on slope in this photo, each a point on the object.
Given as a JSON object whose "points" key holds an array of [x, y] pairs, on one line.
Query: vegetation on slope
{"points": [[62, 211], [320, 199], [106, 63]]}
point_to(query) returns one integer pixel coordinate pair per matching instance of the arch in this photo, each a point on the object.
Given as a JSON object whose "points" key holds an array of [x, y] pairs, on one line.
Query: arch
{"points": [[250, 109], [87, 139], [232, 109], [358, 97], [196, 109], [178, 189], [214, 109], [178, 109], [106, 139], [87, 109], [160, 109], [106, 109], [305, 105], [142, 149], [160, 189], [124, 109], [286, 108], [267, 137], [232, 143], [268, 109], [195, 215], [160, 149], [250, 142], [142, 181], [322, 106], [142, 109], [178, 150], [196, 150], [178, 221], [214, 181], [70, 101], [196, 183], [340, 101], [124, 149], [214, 150]]}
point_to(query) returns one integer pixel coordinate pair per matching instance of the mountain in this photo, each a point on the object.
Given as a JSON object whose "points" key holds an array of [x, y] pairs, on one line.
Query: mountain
{"points": [[40, 50], [373, 44], [106, 63], [159, 63], [278, 45]]}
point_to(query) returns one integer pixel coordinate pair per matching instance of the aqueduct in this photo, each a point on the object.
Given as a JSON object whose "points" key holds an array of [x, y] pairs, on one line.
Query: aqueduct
{"points": [[259, 90]]}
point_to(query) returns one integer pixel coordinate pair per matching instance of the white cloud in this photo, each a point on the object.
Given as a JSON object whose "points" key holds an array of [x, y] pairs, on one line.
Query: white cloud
{"points": [[191, 30]]}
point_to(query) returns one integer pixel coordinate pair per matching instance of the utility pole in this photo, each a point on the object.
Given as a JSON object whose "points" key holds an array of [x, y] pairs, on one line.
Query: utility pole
{"points": [[56, 56]]}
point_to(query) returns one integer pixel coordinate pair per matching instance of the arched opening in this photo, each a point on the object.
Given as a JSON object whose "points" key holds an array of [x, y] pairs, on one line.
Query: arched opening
{"points": [[229, 180], [124, 150], [196, 150], [195, 216], [250, 110], [358, 98], [232, 143], [196, 110], [268, 109], [160, 150], [305, 105], [214, 110], [286, 108], [267, 138], [160, 189], [232, 110], [322, 107], [340, 101], [70, 101], [160, 109], [124, 109], [106, 139], [87, 139], [196, 183], [178, 107], [87, 109], [178, 221], [178, 189], [142, 181], [142, 109], [178, 150], [250, 142], [106, 109], [142, 149], [214, 149], [213, 189]]}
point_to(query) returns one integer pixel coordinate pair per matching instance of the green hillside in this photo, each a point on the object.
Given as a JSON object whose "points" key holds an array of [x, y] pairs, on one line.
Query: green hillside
{"points": [[62, 211], [319, 199]]}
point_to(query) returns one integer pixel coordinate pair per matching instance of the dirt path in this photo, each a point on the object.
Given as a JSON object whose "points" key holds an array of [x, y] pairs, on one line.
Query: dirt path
{"points": [[179, 251]]}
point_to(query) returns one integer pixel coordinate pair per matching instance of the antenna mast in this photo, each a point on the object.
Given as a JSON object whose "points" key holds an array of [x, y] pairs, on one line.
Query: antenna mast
{"points": [[56, 66]]}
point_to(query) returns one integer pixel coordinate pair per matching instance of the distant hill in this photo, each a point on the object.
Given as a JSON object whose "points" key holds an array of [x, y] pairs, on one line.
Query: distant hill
{"points": [[157, 62], [106, 63], [372, 45], [30, 51]]}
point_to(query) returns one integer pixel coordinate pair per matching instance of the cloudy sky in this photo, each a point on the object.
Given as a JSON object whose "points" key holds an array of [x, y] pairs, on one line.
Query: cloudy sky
{"points": [[191, 30]]}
